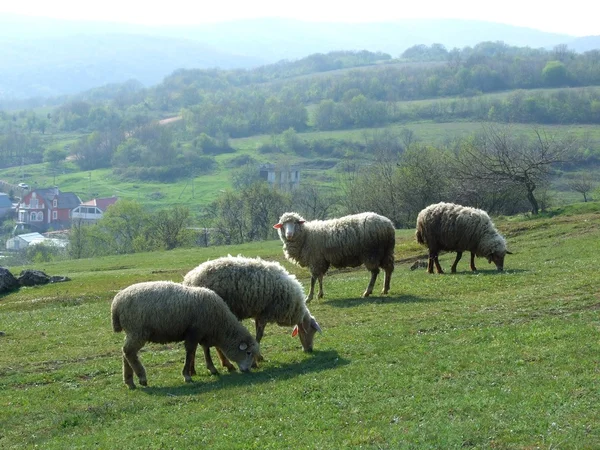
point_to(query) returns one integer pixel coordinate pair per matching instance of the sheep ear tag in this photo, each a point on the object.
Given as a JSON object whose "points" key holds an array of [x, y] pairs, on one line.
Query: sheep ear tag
{"points": [[243, 346], [277, 226], [295, 332]]}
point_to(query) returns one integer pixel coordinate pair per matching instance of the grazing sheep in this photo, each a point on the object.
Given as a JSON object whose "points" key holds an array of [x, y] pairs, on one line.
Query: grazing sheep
{"points": [[348, 241], [163, 311], [456, 228], [258, 289]]}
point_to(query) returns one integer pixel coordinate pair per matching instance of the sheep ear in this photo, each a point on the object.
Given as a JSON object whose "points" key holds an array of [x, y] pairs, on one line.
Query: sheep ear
{"points": [[315, 325], [243, 346], [509, 253], [295, 332], [277, 226], [301, 221]]}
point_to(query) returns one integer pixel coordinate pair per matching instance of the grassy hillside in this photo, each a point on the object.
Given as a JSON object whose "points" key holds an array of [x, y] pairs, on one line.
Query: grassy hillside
{"points": [[504, 360], [203, 189]]}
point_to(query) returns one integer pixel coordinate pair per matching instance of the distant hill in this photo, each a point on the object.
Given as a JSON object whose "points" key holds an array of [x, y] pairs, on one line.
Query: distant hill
{"points": [[50, 57], [584, 44], [67, 65]]}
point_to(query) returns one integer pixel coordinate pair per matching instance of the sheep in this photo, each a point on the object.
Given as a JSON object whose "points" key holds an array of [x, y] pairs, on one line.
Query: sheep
{"points": [[164, 311], [348, 241], [258, 289], [451, 227]]}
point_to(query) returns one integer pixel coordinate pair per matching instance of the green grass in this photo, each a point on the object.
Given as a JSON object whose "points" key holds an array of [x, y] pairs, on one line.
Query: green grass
{"points": [[485, 360]]}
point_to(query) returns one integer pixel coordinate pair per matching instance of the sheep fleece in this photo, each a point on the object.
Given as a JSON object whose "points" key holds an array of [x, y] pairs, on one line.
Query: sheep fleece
{"points": [[451, 227], [343, 242], [162, 311], [253, 287]]}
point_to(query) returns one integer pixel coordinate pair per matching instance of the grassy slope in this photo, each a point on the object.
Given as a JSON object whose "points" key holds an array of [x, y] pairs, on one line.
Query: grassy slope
{"points": [[206, 188], [445, 361]]}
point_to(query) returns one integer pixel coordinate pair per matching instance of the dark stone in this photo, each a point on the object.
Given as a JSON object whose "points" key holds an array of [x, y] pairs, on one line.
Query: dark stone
{"points": [[7, 281], [30, 277]]}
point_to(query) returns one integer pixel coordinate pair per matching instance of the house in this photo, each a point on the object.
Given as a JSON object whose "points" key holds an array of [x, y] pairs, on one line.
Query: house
{"points": [[22, 241], [42, 209], [92, 211], [5, 204], [286, 178]]}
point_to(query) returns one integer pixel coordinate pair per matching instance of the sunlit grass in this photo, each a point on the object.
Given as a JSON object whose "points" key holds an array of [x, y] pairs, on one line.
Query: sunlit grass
{"points": [[484, 360]]}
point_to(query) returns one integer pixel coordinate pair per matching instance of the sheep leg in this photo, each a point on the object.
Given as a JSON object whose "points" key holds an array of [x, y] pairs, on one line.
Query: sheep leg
{"points": [[437, 264], [193, 365], [311, 292], [260, 331], [473, 268], [369, 291], [209, 363], [224, 361], [128, 374], [190, 351], [458, 256], [387, 278], [433, 259], [321, 292], [130, 349]]}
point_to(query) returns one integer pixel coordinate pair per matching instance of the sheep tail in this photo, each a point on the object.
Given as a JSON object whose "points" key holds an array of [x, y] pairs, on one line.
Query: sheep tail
{"points": [[116, 324], [419, 237]]}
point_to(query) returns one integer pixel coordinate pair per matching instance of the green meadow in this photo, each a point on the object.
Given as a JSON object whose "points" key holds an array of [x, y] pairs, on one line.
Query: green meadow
{"points": [[466, 360]]}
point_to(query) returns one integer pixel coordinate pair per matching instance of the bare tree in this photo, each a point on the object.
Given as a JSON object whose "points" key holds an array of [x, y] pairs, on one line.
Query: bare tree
{"points": [[498, 154], [315, 203], [584, 184]]}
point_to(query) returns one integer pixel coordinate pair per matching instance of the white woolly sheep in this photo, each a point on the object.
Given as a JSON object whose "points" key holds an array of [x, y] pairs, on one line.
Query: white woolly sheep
{"points": [[348, 241], [163, 311], [258, 289], [456, 228]]}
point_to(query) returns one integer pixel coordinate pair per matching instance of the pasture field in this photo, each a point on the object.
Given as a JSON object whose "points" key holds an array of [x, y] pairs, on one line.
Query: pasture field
{"points": [[479, 360]]}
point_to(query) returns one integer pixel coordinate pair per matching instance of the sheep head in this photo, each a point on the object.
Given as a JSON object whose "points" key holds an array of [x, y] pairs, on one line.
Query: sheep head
{"points": [[288, 226], [498, 259], [306, 331]]}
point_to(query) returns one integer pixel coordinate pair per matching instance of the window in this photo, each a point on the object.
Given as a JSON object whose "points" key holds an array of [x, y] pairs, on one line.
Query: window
{"points": [[54, 203], [54, 215], [36, 217], [34, 203]]}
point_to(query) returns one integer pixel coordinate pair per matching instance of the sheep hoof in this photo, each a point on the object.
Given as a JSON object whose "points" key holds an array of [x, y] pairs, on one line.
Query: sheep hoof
{"points": [[131, 386], [144, 382]]}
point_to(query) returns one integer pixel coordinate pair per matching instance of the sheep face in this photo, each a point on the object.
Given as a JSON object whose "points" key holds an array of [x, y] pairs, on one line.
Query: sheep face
{"points": [[243, 353], [306, 332], [498, 259], [289, 230]]}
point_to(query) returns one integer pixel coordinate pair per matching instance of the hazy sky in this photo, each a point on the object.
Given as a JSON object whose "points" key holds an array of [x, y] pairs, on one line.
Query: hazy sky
{"points": [[573, 17]]}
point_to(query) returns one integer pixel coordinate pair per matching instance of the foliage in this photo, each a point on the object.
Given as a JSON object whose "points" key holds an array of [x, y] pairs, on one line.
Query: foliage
{"points": [[247, 215]]}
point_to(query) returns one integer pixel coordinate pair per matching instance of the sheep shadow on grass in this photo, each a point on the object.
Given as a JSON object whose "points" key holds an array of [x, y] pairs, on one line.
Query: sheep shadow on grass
{"points": [[319, 361], [356, 301]]}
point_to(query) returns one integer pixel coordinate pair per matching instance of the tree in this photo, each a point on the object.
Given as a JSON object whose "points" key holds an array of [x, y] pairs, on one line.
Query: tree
{"points": [[554, 74], [583, 184], [315, 203], [125, 226], [423, 179], [168, 227], [498, 154]]}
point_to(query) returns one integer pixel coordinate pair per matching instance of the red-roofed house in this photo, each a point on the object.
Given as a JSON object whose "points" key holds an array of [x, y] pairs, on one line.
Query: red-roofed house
{"points": [[92, 211], [42, 209]]}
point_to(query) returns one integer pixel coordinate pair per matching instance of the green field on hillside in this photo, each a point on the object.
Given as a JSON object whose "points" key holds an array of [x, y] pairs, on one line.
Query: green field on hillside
{"points": [[203, 189], [480, 360]]}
